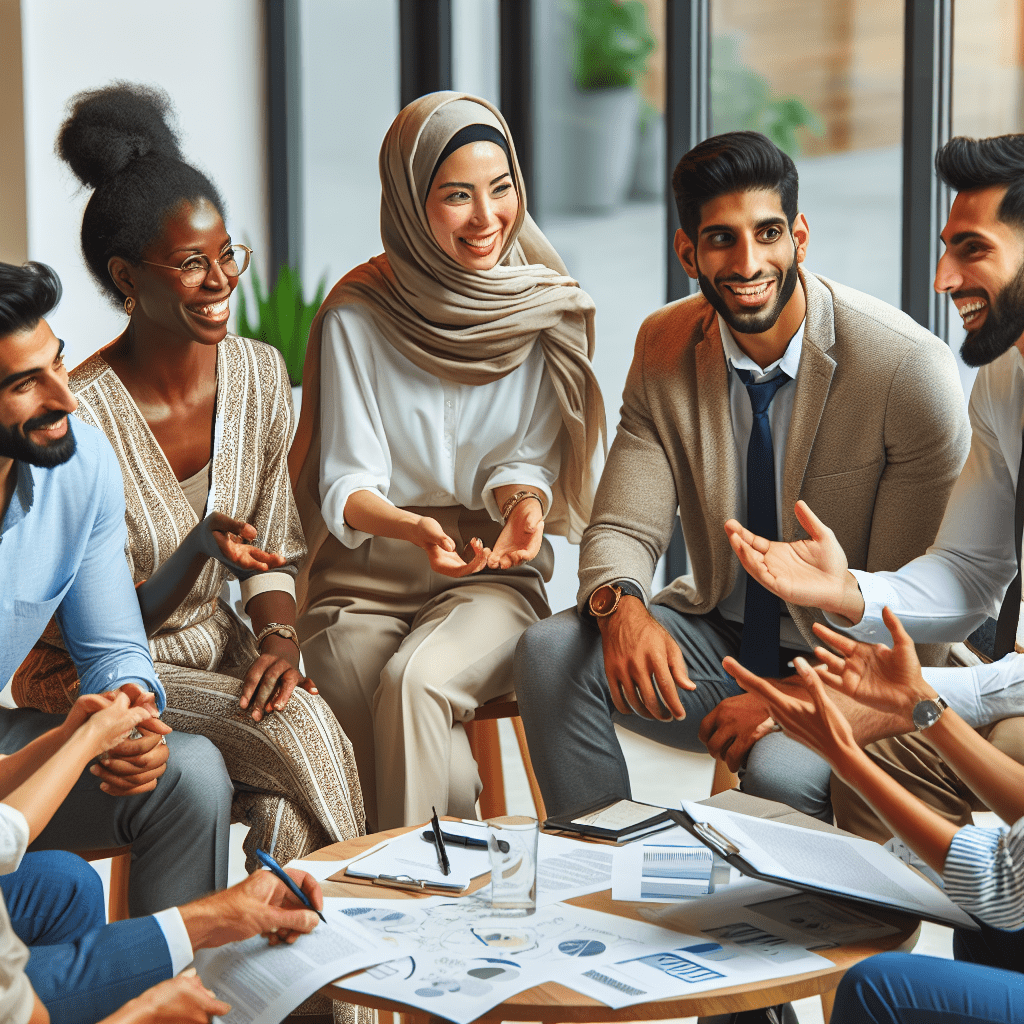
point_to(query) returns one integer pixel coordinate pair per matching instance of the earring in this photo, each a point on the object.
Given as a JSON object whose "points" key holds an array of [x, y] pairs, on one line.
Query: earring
{"points": [[129, 305]]}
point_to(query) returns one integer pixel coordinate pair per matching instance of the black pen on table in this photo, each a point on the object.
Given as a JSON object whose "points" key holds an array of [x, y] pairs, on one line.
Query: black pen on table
{"points": [[442, 853], [468, 841], [268, 862]]}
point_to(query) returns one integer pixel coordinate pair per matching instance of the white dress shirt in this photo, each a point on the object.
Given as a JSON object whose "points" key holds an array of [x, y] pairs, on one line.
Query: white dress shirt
{"points": [[947, 592], [780, 412], [413, 439]]}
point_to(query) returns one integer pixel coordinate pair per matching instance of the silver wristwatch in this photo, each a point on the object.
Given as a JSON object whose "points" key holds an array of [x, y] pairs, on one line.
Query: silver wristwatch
{"points": [[927, 712]]}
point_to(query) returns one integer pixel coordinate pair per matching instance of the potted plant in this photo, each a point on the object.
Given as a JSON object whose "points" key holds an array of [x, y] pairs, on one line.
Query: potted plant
{"points": [[611, 44], [743, 99], [283, 317]]}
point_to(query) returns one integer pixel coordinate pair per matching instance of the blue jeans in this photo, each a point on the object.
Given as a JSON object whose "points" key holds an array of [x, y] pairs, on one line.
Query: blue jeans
{"points": [[982, 984], [81, 968]]}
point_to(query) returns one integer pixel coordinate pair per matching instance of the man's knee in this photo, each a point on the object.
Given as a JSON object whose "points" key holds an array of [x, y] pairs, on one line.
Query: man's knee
{"points": [[779, 768], [556, 648], [53, 897], [196, 776]]}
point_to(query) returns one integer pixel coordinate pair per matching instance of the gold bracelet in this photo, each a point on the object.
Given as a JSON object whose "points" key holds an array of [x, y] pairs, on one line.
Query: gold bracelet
{"points": [[281, 629], [509, 506]]}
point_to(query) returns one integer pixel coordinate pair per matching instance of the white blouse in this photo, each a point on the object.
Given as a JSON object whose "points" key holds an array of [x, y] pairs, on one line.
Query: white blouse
{"points": [[396, 430]]}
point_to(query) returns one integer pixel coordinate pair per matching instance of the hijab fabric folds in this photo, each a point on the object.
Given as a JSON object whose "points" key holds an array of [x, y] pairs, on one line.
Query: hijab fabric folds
{"points": [[465, 326]]}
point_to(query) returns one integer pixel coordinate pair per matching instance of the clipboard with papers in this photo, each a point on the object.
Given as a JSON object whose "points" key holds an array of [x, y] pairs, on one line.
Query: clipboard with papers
{"points": [[407, 862], [824, 861]]}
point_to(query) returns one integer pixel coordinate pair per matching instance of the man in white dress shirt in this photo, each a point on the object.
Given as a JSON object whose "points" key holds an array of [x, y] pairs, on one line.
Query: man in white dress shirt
{"points": [[962, 579]]}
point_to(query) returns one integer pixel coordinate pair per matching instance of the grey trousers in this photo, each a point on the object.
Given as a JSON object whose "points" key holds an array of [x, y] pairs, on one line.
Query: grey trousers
{"points": [[569, 717], [179, 831]]}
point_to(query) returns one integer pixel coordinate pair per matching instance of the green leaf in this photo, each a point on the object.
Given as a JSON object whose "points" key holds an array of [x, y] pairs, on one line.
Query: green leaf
{"points": [[284, 316], [611, 43]]}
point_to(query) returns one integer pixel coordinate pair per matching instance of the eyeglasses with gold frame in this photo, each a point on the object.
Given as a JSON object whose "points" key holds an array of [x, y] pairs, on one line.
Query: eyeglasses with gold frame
{"points": [[234, 261]]}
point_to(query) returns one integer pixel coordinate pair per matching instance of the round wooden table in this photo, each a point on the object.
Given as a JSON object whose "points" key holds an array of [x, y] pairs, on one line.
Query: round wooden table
{"points": [[552, 1002]]}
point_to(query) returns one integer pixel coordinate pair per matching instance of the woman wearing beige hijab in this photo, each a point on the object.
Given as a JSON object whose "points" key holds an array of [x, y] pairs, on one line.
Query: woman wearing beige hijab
{"points": [[450, 416]]}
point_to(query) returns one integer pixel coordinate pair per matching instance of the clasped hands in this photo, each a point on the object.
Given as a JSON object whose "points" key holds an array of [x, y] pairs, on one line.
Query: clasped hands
{"points": [[126, 766], [518, 542]]}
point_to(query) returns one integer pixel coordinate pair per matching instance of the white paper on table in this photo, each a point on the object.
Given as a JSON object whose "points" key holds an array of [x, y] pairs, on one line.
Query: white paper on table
{"points": [[766, 917], [323, 869], [845, 865], [475, 961], [409, 854], [685, 965], [568, 868], [264, 983]]}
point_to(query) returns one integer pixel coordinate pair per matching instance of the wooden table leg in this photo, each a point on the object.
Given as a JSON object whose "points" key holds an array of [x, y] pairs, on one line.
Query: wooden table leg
{"points": [[827, 1002]]}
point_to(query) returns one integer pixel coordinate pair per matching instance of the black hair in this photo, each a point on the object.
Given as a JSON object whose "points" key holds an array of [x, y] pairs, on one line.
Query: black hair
{"points": [[970, 164], [733, 162], [118, 141], [464, 137], [27, 294]]}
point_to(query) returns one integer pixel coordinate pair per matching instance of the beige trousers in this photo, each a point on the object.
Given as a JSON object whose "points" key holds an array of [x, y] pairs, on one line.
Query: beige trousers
{"points": [[404, 656], [916, 765]]}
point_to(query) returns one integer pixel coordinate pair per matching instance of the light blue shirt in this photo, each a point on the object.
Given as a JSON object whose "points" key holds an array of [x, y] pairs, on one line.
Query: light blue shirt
{"points": [[780, 412], [62, 544]]}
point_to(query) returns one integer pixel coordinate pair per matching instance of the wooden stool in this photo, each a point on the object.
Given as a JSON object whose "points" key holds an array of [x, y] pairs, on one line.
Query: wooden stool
{"points": [[120, 864], [483, 741], [724, 778]]}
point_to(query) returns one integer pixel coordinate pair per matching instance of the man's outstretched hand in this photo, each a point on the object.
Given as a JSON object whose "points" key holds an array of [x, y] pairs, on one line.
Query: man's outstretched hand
{"points": [[812, 573], [644, 665]]}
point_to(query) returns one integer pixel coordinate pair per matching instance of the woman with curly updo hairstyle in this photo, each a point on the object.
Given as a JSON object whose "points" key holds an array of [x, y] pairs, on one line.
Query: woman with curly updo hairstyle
{"points": [[201, 421]]}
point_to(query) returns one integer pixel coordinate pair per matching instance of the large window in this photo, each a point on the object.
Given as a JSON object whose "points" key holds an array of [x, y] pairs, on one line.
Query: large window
{"points": [[824, 81], [599, 176]]}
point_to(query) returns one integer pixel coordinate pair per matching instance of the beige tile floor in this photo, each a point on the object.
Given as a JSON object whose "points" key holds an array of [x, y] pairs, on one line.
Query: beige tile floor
{"points": [[660, 776]]}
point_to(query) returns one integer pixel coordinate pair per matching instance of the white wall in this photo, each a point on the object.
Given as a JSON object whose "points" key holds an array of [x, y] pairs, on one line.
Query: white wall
{"points": [[211, 61]]}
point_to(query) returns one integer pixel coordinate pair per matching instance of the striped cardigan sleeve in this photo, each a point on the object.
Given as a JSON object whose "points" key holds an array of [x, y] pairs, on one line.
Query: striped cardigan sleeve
{"points": [[984, 874]]}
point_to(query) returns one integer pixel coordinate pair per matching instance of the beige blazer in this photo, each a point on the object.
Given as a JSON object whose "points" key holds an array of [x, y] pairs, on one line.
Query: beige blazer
{"points": [[878, 435]]}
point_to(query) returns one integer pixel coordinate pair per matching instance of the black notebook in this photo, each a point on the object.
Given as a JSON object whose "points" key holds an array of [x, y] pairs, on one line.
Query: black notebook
{"points": [[613, 818]]}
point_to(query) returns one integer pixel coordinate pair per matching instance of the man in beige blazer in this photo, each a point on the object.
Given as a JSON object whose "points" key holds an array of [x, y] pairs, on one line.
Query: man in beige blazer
{"points": [[868, 426]]}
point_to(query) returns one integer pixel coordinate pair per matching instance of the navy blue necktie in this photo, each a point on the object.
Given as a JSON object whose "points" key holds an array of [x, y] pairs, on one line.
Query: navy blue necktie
{"points": [[759, 646]]}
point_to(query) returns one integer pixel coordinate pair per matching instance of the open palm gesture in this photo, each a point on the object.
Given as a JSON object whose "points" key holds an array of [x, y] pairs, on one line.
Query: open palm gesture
{"points": [[520, 539], [812, 573], [885, 679]]}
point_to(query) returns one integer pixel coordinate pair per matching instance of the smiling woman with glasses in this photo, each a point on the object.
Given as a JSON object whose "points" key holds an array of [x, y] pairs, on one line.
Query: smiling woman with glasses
{"points": [[201, 422]]}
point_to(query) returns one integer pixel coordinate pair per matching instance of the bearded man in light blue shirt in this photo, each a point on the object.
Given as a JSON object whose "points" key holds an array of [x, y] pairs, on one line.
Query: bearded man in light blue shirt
{"points": [[62, 538]]}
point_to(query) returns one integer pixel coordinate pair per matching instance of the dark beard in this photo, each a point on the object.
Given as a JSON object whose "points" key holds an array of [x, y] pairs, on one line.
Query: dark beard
{"points": [[752, 323], [1004, 324], [14, 444]]}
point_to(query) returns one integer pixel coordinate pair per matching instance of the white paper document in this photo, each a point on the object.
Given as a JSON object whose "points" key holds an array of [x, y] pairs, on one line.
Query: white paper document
{"points": [[568, 868], [264, 983], [841, 864], [464, 961], [685, 965]]}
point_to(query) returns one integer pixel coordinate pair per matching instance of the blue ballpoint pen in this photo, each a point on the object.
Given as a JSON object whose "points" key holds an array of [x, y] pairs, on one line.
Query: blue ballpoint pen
{"points": [[268, 862]]}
